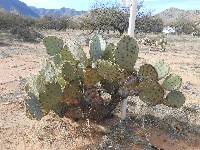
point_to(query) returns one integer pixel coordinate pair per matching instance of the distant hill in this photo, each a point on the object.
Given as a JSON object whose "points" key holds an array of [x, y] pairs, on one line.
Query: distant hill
{"points": [[18, 7], [58, 12], [172, 14]]}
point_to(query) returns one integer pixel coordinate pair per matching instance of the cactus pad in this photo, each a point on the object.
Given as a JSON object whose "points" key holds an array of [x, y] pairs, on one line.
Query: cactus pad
{"points": [[77, 52], [109, 71], [126, 53], [172, 82], [97, 47], [151, 92], [69, 72], [66, 55], [51, 96], [109, 52], [175, 99], [33, 107], [91, 77], [162, 69], [72, 93], [148, 72], [53, 45]]}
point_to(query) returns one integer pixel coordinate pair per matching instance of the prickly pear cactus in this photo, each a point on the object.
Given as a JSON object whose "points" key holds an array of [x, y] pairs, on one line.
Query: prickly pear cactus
{"points": [[109, 70], [96, 86], [97, 47], [53, 45], [175, 99], [126, 53], [151, 92], [162, 69], [148, 72], [109, 52], [172, 82]]}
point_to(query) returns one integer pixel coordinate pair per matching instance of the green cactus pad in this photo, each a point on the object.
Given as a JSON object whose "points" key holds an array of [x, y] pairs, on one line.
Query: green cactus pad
{"points": [[77, 52], [72, 94], [172, 82], [175, 99], [91, 77], [151, 92], [147, 71], [35, 85], [60, 109], [109, 70], [51, 96], [97, 47], [57, 60], [109, 52], [69, 72], [126, 53], [162, 69], [66, 55], [61, 81], [53, 45], [33, 107], [48, 71]]}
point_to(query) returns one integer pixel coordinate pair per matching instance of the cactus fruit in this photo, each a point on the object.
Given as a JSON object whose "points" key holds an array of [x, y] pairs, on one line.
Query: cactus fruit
{"points": [[53, 45], [172, 82], [148, 72], [97, 47], [162, 69], [109, 71], [109, 52], [51, 96], [126, 53], [91, 77], [151, 92], [175, 99]]}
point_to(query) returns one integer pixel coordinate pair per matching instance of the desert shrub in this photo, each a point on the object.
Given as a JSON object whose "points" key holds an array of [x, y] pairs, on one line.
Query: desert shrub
{"points": [[106, 19], [149, 24], [9, 21], [184, 26], [55, 23], [26, 34]]}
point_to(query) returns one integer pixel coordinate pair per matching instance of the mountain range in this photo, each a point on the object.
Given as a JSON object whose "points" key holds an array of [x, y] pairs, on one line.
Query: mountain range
{"points": [[21, 8]]}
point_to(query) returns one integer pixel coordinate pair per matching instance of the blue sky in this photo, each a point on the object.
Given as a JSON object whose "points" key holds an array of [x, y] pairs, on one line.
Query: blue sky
{"points": [[157, 5]]}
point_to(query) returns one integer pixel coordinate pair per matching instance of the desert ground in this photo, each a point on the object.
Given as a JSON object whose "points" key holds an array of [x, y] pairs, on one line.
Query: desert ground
{"points": [[20, 60]]}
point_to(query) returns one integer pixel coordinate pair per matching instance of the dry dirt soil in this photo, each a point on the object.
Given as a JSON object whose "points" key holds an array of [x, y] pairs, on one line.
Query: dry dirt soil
{"points": [[19, 60]]}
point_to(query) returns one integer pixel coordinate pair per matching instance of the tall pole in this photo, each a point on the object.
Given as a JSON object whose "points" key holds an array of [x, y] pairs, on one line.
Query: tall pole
{"points": [[132, 18], [131, 31]]}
